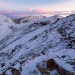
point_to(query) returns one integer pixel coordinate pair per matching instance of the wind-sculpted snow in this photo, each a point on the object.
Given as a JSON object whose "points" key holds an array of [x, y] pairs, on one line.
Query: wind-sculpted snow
{"points": [[34, 42]]}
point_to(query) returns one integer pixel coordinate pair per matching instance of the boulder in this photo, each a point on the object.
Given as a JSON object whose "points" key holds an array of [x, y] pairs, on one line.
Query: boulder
{"points": [[15, 71], [51, 64]]}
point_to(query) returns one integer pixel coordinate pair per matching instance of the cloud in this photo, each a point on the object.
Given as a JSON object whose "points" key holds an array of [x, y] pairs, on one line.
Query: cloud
{"points": [[30, 12]]}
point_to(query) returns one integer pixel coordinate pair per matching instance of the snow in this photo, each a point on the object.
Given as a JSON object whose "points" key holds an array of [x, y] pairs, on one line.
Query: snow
{"points": [[17, 66], [64, 65], [51, 54], [5, 24], [28, 40], [8, 72]]}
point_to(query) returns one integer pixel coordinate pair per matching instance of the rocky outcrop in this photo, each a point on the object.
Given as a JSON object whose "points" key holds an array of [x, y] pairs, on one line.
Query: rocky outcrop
{"points": [[62, 71], [15, 71], [67, 30], [52, 65], [42, 70]]}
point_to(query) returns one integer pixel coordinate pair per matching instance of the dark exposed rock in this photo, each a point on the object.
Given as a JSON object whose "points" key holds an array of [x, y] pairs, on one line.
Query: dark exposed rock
{"points": [[15, 71], [43, 52], [2, 65], [17, 21], [42, 70], [44, 23], [62, 71], [67, 32], [51, 64], [63, 56]]}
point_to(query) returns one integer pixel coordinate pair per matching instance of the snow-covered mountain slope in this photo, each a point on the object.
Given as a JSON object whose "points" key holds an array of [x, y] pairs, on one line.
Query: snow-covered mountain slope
{"points": [[5, 26], [34, 43]]}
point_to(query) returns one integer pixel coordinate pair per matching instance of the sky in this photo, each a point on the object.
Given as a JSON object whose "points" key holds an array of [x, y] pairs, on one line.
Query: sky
{"points": [[36, 7]]}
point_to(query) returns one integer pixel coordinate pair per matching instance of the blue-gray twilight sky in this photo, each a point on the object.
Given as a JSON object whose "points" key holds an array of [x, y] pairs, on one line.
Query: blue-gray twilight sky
{"points": [[37, 7]]}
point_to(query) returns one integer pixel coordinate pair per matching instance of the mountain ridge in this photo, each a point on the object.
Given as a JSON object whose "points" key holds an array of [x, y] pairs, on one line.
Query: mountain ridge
{"points": [[36, 41]]}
